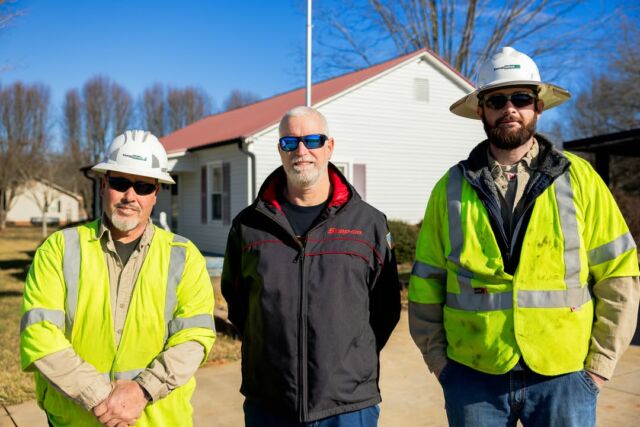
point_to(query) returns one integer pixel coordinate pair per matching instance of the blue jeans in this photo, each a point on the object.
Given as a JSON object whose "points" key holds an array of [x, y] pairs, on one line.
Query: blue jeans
{"points": [[256, 416], [473, 398]]}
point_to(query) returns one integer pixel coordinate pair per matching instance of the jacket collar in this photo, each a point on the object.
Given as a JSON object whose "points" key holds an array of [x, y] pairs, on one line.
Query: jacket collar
{"points": [[550, 160], [342, 192]]}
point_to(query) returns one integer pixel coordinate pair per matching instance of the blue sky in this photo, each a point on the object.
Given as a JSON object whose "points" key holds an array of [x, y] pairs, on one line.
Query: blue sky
{"points": [[216, 45]]}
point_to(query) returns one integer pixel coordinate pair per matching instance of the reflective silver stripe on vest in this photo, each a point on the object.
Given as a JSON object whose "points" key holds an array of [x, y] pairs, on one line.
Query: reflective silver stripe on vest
{"points": [[427, 271], [480, 302], [176, 268], [36, 315], [575, 295], [454, 209], [198, 321], [71, 272], [572, 297], [611, 250], [569, 225]]}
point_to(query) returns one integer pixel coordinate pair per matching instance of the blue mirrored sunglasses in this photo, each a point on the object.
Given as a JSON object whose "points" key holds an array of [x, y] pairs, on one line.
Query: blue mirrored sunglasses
{"points": [[290, 143]]}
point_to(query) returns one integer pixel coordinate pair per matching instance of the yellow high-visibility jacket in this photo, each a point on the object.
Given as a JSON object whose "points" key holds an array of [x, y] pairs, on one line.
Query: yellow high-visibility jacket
{"points": [[67, 304], [541, 307]]}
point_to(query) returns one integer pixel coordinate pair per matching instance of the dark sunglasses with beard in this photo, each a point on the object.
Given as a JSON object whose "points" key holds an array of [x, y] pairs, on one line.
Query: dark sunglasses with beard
{"points": [[498, 101]]}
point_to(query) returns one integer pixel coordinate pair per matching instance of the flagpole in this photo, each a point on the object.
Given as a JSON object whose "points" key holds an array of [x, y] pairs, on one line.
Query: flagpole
{"points": [[309, 26]]}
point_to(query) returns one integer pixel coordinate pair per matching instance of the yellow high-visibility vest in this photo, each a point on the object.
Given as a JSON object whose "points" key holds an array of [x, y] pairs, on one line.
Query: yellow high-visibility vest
{"points": [[67, 304], [543, 312]]}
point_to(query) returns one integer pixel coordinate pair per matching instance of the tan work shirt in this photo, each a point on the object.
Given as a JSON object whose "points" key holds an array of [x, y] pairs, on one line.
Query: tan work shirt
{"points": [[79, 380]]}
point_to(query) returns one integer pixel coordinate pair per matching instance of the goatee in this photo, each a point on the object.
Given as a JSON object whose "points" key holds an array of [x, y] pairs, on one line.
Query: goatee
{"points": [[506, 138]]}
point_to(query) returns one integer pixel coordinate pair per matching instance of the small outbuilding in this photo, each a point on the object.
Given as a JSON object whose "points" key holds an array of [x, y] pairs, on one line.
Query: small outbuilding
{"points": [[62, 206]]}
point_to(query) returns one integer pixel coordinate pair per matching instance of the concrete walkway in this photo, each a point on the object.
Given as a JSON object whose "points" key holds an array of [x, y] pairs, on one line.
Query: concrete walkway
{"points": [[411, 396]]}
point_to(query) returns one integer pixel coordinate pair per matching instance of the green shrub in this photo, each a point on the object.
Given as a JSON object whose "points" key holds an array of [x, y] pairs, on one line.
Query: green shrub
{"points": [[404, 237]]}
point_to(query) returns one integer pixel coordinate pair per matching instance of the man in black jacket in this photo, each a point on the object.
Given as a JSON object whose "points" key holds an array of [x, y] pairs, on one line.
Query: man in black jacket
{"points": [[311, 282]]}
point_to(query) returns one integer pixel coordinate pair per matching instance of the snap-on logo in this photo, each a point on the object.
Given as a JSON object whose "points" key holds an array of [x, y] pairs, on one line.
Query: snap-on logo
{"points": [[333, 230]]}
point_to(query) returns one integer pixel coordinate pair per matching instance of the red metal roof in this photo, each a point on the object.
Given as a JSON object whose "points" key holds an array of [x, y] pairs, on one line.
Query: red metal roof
{"points": [[250, 119]]}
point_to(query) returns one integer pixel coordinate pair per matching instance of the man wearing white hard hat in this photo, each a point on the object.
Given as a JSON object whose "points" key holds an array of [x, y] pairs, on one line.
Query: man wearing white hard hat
{"points": [[118, 313], [524, 292]]}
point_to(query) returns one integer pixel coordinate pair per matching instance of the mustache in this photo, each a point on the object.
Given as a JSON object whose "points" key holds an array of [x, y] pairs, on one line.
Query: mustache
{"points": [[128, 206], [508, 119], [296, 159]]}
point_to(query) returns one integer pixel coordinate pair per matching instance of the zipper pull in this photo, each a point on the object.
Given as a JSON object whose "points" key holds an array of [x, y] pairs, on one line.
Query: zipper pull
{"points": [[295, 260]]}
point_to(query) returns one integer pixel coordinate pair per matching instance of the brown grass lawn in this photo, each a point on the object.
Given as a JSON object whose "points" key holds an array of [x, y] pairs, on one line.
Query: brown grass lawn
{"points": [[17, 246]]}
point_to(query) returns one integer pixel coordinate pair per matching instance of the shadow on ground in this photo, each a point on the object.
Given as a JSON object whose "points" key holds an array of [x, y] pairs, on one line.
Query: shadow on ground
{"points": [[21, 265]]}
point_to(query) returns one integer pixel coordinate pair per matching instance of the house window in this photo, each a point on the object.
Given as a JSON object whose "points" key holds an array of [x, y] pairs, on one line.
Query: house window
{"points": [[215, 191], [421, 90], [343, 167]]}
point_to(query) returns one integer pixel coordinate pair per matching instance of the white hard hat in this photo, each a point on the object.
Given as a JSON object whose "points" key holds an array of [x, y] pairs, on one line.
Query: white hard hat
{"points": [[509, 68], [137, 152]]}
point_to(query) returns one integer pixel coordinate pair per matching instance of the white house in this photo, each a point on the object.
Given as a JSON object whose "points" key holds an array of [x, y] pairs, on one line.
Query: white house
{"points": [[394, 138], [26, 208]]}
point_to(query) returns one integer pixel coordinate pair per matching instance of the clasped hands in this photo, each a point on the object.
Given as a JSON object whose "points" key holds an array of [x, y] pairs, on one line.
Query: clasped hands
{"points": [[123, 406]]}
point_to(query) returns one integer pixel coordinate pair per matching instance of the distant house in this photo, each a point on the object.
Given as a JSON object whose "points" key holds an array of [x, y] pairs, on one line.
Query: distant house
{"points": [[64, 205], [394, 138]]}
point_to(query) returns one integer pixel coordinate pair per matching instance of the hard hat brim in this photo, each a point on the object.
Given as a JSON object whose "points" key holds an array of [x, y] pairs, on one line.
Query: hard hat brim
{"points": [[162, 177], [550, 94]]}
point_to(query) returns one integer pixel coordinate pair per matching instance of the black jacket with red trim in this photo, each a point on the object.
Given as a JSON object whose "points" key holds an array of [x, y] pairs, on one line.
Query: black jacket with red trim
{"points": [[313, 315]]}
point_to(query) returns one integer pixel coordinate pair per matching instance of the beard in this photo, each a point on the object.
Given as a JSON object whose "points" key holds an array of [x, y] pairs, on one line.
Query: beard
{"points": [[124, 223], [509, 139], [303, 177]]}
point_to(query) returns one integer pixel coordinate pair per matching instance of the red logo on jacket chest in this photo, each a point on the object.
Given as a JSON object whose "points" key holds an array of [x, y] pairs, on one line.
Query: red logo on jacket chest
{"points": [[334, 230]]}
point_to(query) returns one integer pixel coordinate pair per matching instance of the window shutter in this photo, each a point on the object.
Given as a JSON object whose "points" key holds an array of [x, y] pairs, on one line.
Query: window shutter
{"points": [[360, 179], [203, 194], [226, 193]]}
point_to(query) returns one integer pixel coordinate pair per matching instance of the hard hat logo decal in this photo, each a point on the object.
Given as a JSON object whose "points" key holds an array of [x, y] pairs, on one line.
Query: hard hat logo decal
{"points": [[508, 67], [135, 157]]}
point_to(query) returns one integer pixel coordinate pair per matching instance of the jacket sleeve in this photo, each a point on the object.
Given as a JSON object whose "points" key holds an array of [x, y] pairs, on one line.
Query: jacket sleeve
{"points": [[384, 299], [43, 345], [613, 267], [231, 280], [427, 285]]}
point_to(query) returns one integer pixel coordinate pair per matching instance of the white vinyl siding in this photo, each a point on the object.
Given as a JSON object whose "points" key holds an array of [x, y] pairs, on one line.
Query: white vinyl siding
{"points": [[405, 143]]}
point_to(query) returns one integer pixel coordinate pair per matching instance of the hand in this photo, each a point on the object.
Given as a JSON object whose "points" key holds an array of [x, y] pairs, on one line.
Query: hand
{"points": [[123, 406], [597, 379]]}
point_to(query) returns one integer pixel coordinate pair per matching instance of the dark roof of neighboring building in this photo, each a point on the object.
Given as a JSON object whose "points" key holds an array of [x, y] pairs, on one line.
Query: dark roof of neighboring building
{"points": [[250, 119], [625, 143]]}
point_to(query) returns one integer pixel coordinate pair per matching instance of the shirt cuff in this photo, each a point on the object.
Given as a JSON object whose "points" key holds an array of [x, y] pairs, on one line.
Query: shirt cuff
{"points": [[94, 393], [152, 384], [600, 365]]}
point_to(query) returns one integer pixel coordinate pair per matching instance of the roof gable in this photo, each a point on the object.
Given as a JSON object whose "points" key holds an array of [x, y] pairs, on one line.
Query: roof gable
{"points": [[251, 119]]}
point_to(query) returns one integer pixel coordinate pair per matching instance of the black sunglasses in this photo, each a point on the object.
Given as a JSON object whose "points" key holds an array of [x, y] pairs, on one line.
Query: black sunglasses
{"points": [[123, 184], [290, 143], [519, 100]]}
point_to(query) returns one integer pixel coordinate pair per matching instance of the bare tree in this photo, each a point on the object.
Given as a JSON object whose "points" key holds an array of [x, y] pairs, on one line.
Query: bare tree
{"points": [[77, 154], [239, 98], [122, 108], [185, 106], [8, 13], [96, 94], [463, 32], [153, 109], [23, 138]]}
